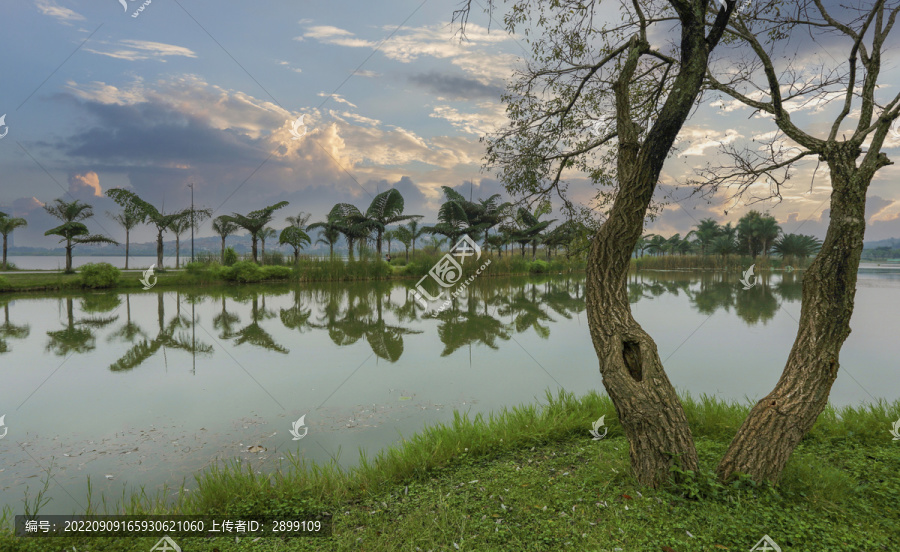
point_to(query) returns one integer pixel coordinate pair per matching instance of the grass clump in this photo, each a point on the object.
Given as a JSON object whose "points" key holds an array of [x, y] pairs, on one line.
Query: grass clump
{"points": [[99, 275]]}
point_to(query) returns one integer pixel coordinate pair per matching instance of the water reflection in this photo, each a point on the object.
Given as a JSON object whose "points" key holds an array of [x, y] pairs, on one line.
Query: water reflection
{"points": [[8, 330], [165, 337], [78, 336], [709, 292], [382, 315]]}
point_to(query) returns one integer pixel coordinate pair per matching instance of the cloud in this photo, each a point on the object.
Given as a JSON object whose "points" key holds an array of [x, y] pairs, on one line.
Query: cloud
{"points": [[704, 139], [433, 41], [337, 98], [85, 184], [491, 117], [456, 87], [26, 205], [138, 50], [51, 9]]}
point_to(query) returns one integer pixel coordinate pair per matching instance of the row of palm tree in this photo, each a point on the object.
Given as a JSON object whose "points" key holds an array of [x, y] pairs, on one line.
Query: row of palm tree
{"points": [[755, 234]]}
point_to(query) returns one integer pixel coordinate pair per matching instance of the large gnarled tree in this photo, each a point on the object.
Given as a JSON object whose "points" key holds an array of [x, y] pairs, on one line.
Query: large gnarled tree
{"points": [[635, 96]]}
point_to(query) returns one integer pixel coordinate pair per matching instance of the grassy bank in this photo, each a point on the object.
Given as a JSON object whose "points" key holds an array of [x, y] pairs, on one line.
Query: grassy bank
{"points": [[306, 270], [531, 478]]}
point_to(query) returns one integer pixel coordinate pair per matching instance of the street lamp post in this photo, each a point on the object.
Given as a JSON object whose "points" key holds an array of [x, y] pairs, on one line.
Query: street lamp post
{"points": [[191, 186]]}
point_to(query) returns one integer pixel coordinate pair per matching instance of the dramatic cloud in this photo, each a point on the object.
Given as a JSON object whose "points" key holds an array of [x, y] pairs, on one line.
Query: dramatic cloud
{"points": [[86, 184]]}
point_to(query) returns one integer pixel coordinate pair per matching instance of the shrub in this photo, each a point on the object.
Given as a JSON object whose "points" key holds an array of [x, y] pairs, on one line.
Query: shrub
{"points": [[195, 268], [99, 275], [276, 272], [538, 267], [243, 271], [231, 256]]}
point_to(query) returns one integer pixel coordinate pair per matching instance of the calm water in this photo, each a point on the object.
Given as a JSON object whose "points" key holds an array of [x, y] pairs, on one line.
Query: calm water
{"points": [[125, 389]]}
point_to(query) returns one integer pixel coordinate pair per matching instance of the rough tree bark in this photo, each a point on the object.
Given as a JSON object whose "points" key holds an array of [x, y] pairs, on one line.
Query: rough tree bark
{"points": [[645, 400], [778, 422]]}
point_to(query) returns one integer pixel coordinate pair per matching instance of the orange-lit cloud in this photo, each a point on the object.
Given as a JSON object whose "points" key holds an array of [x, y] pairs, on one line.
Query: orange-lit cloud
{"points": [[87, 182]]}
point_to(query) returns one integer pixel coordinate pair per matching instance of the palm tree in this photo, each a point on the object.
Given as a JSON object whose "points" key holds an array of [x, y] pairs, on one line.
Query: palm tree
{"points": [[531, 230], [797, 245], [223, 228], [127, 219], [72, 230], [490, 213], [299, 221], [707, 230], [389, 236], [656, 244], [266, 233], [255, 221], [349, 221], [404, 236], [162, 221], [329, 237], [296, 238], [386, 208], [178, 227], [756, 232], [724, 245], [7, 225], [415, 233]]}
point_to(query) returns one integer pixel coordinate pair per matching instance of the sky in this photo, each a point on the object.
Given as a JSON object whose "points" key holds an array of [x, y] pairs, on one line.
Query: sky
{"points": [[156, 95]]}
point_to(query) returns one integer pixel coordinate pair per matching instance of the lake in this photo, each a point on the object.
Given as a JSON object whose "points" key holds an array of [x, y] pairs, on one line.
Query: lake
{"points": [[148, 388]]}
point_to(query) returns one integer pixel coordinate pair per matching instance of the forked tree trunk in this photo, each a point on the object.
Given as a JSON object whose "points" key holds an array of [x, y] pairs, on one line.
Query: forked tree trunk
{"points": [[646, 403], [776, 423]]}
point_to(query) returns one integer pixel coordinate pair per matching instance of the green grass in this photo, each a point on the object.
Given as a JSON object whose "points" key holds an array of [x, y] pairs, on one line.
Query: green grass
{"points": [[530, 478]]}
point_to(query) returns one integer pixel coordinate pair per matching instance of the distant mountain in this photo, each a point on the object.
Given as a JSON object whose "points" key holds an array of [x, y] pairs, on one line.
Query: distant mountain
{"points": [[893, 243]]}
